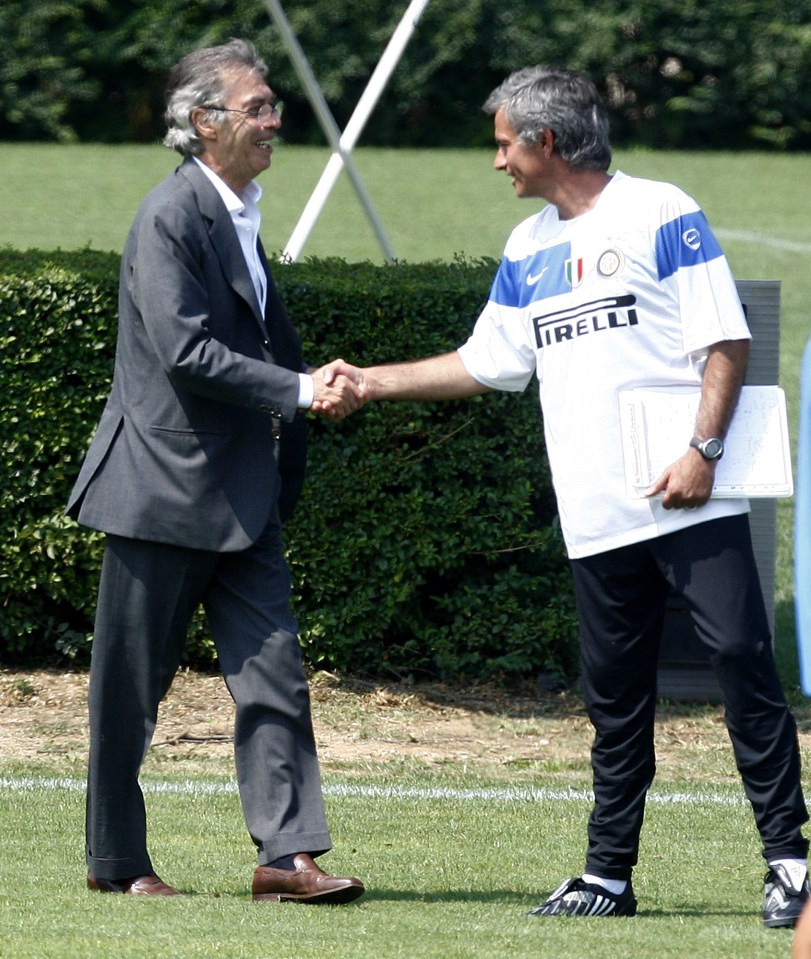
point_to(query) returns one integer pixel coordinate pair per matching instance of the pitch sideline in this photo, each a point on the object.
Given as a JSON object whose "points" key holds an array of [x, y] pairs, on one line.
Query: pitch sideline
{"points": [[745, 236], [370, 791]]}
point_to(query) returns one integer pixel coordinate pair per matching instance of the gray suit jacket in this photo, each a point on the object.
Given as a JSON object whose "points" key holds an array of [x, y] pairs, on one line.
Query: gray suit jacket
{"points": [[185, 452]]}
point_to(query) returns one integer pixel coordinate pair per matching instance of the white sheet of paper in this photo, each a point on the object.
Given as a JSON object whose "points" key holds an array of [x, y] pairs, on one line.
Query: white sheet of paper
{"points": [[657, 424]]}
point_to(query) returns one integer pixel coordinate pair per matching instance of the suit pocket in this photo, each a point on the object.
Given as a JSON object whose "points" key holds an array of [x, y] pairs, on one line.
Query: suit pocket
{"points": [[166, 431], [191, 450]]}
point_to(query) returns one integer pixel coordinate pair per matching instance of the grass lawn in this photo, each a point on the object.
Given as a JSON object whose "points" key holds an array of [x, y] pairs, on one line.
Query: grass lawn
{"points": [[452, 857], [460, 813], [450, 876]]}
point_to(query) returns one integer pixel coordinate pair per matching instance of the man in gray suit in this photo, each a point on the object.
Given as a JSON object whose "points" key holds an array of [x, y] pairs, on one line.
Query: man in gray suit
{"points": [[197, 459]]}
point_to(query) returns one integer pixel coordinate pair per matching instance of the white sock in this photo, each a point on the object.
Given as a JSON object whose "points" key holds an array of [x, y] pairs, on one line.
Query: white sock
{"points": [[615, 886], [796, 870]]}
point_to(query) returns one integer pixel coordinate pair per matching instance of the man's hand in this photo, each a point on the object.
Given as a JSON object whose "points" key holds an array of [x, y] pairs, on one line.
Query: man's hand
{"points": [[340, 389], [687, 483]]}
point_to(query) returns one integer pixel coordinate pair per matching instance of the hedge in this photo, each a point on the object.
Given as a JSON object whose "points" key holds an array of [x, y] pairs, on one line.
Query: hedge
{"points": [[426, 543]]}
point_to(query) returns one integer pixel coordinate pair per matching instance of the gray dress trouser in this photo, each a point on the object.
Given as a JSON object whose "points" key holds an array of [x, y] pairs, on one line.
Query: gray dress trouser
{"points": [[147, 596]]}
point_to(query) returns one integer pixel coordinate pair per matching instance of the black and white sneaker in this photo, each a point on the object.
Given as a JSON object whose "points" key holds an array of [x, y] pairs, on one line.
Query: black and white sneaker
{"points": [[784, 896], [574, 897]]}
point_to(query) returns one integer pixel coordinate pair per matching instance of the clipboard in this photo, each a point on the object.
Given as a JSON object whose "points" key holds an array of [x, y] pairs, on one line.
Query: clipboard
{"points": [[658, 422]]}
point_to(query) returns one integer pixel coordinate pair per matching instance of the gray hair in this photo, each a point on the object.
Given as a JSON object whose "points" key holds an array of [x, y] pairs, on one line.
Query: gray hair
{"points": [[198, 80], [541, 98]]}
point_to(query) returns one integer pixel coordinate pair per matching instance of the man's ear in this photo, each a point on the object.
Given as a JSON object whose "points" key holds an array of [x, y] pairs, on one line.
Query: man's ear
{"points": [[547, 142], [202, 120]]}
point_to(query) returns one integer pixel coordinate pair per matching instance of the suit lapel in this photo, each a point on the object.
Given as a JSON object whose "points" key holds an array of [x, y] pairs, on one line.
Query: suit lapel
{"points": [[224, 239]]}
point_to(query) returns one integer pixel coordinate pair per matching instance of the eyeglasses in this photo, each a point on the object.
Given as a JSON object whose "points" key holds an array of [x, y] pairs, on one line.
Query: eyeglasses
{"points": [[265, 112]]}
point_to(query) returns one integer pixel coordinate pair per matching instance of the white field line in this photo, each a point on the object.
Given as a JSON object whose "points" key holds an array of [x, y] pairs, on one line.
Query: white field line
{"points": [[353, 790], [744, 236]]}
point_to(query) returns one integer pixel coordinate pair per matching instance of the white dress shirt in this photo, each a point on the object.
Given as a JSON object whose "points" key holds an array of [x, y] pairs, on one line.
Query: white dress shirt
{"points": [[245, 215]]}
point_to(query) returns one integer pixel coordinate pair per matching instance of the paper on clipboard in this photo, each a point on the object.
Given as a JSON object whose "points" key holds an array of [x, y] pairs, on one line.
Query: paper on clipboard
{"points": [[657, 424]]}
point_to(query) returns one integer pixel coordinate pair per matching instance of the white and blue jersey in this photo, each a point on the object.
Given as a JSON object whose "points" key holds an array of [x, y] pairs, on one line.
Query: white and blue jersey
{"points": [[631, 294]]}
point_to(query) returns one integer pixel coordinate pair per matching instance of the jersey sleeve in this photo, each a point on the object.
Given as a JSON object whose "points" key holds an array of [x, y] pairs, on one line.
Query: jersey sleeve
{"points": [[498, 352], [690, 260]]}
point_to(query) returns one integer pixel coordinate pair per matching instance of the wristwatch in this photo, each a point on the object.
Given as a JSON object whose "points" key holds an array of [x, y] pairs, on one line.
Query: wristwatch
{"points": [[711, 449]]}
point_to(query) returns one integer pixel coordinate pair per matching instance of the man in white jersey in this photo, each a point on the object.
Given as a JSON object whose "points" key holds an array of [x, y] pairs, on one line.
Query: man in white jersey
{"points": [[619, 283]]}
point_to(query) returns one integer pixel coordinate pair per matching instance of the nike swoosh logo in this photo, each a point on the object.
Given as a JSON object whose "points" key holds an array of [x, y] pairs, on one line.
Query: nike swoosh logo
{"points": [[532, 280]]}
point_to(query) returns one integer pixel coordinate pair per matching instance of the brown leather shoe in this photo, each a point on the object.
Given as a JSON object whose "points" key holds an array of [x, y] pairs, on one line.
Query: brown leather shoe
{"points": [[136, 886], [306, 883]]}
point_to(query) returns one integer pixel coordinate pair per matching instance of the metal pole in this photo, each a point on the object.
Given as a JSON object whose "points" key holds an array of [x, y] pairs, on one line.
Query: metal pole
{"points": [[333, 134], [342, 144]]}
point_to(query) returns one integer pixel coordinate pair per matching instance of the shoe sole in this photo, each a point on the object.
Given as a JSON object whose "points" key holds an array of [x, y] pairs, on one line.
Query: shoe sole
{"points": [[336, 897], [112, 889], [582, 915], [780, 923]]}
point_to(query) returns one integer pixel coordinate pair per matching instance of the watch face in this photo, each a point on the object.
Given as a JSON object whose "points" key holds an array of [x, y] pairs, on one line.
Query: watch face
{"points": [[713, 449]]}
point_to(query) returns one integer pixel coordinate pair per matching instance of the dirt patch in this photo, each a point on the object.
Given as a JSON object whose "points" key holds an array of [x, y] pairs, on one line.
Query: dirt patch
{"points": [[45, 713], [365, 727]]}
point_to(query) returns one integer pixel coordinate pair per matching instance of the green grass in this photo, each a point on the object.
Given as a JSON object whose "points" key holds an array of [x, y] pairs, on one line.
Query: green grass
{"points": [[447, 877], [436, 204]]}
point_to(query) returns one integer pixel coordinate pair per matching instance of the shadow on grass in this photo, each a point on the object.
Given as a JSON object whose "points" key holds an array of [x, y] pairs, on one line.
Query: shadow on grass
{"points": [[504, 896], [382, 894]]}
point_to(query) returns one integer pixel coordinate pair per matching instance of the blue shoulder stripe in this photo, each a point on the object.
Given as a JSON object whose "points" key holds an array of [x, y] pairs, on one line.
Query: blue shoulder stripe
{"points": [[683, 242], [502, 289], [543, 274]]}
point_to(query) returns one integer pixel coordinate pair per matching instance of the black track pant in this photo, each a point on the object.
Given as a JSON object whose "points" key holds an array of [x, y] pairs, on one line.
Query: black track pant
{"points": [[621, 596]]}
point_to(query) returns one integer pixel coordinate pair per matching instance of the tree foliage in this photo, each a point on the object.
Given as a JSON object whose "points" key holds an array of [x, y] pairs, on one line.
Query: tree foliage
{"points": [[676, 73]]}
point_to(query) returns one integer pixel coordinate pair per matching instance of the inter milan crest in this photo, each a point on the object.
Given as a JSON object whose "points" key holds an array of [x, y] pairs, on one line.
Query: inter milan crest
{"points": [[574, 271], [609, 263]]}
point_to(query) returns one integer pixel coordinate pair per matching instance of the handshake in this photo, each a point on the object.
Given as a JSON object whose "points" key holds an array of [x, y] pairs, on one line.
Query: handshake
{"points": [[340, 389]]}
